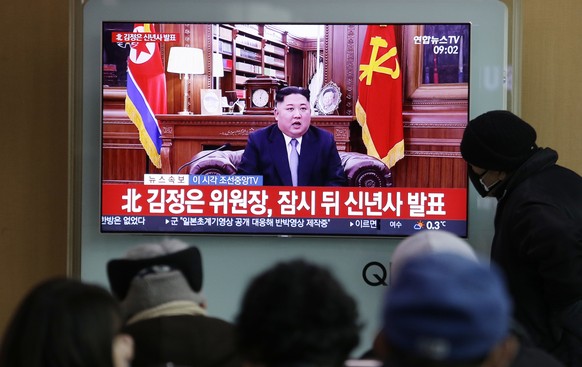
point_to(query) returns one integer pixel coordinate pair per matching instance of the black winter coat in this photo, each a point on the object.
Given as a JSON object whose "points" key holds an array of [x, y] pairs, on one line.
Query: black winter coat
{"points": [[538, 244], [196, 341]]}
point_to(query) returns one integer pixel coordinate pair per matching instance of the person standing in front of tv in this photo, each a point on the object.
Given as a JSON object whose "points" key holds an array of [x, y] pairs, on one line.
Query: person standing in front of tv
{"points": [[538, 227], [292, 152]]}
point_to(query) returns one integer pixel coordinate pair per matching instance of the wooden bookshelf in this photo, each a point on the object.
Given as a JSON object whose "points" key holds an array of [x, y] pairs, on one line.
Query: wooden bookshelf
{"points": [[249, 50]]}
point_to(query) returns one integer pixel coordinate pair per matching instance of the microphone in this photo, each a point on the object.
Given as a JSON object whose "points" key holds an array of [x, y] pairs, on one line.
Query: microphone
{"points": [[222, 147]]}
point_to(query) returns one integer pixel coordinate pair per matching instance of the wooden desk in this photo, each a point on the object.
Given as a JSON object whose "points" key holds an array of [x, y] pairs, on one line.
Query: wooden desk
{"points": [[184, 136]]}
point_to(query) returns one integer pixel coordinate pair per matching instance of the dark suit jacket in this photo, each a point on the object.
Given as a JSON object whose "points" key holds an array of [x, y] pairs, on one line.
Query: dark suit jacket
{"points": [[319, 161]]}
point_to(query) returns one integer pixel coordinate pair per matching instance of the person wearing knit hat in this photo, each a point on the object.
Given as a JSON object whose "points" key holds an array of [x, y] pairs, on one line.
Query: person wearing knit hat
{"points": [[518, 350], [425, 242], [420, 243], [538, 227], [159, 287], [495, 144], [444, 309]]}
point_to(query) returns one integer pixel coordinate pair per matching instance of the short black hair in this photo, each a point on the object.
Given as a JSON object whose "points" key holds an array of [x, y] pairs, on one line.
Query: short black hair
{"points": [[285, 91], [297, 312]]}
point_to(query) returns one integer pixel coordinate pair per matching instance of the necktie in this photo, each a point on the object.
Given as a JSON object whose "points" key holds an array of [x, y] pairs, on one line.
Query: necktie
{"points": [[294, 161]]}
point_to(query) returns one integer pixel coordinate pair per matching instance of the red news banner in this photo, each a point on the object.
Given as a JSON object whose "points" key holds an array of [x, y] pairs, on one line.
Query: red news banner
{"points": [[283, 201]]}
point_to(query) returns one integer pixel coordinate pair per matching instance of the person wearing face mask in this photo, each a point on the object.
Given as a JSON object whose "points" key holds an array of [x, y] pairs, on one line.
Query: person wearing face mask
{"points": [[538, 227]]}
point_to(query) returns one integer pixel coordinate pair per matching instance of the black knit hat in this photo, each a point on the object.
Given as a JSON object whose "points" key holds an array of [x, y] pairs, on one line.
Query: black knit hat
{"points": [[498, 140]]}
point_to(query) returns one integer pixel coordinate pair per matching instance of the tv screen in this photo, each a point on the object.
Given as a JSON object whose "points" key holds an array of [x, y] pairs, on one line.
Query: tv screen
{"points": [[180, 100]]}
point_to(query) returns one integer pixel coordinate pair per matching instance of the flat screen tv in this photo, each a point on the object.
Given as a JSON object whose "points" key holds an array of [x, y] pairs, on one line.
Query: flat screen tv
{"points": [[179, 100]]}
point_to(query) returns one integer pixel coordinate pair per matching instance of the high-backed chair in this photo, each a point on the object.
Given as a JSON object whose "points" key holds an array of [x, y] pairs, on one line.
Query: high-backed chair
{"points": [[361, 170]]}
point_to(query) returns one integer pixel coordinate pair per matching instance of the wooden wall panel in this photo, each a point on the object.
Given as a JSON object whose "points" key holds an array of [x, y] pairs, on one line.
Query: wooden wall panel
{"points": [[432, 156], [343, 45], [551, 88], [34, 69], [123, 157]]}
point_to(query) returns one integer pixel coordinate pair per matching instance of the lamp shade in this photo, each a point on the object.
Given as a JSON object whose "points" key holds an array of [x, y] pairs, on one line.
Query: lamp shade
{"points": [[185, 60], [217, 67]]}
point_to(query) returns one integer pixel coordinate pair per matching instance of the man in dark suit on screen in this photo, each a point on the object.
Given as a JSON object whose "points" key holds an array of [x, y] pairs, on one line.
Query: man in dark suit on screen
{"points": [[292, 152]]}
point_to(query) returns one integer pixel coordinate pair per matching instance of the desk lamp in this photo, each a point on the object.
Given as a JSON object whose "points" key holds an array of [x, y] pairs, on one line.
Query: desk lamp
{"points": [[187, 61]]}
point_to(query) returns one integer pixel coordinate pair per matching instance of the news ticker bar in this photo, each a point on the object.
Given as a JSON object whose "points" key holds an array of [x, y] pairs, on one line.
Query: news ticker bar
{"points": [[284, 202], [276, 226]]}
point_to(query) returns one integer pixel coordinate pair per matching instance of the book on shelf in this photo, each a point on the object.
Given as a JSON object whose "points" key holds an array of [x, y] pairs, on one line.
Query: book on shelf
{"points": [[225, 33], [275, 49], [279, 74], [224, 47], [246, 41], [248, 54], [240, 79], [274, 61], [240, 93], [227, 64], [273, 35], [252, 28], [249, 68]]}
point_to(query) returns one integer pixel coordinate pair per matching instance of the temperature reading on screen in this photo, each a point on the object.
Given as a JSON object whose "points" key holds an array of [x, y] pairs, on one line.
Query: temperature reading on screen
{"points": [[436, 225]]}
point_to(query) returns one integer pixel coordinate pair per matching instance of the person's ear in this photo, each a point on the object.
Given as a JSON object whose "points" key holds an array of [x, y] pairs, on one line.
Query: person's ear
{"points": [[122, 349], [503, 354], [381, 347]]}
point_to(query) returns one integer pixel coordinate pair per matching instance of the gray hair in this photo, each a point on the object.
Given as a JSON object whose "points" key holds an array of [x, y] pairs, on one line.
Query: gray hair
{"points": [[149, 250]]}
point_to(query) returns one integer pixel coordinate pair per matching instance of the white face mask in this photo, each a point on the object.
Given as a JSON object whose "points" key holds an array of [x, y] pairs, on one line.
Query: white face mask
{"points": [[486, 187], [482, 188]]}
